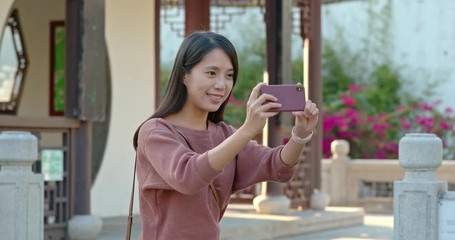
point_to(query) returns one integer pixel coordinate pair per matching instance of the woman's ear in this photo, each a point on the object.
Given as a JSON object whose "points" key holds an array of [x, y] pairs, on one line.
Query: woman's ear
{"points": [[184, 78]]}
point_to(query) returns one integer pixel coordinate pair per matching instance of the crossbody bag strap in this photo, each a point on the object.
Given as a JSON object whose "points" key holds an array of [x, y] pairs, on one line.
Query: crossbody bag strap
{"points": [[212, 187], [215, 194], [130, 212]]}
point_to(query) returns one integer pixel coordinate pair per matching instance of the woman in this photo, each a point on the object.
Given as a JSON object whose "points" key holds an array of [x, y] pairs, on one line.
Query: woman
{"points": [[190, 161]]}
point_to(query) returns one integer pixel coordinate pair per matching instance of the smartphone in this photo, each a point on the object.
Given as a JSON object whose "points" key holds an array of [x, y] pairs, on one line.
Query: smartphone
{"points": [[291, 96]]}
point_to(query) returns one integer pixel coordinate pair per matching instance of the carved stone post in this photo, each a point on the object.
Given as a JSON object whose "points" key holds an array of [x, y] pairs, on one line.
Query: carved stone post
{"points": [[416, 197], [21, 190], [338, 173]]}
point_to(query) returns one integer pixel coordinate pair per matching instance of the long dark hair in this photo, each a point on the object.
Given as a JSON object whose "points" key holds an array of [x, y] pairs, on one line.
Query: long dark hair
{"points": [[193, 48]]}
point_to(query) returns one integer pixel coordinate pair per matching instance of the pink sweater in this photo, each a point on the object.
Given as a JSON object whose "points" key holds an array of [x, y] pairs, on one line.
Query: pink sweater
{"points": [[175, 199]]}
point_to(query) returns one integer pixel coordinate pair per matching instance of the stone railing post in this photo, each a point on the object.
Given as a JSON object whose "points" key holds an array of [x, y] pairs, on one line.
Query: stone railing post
{"points": [[416, 196], [21, 190], [338, 173]]}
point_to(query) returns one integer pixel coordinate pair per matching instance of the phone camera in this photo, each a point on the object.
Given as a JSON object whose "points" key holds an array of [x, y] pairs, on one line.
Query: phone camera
{"points": [[299, 89]]}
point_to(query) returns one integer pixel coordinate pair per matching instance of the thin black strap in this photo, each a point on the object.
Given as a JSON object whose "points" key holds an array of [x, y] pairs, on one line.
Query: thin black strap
{"points": [[212, 187], [130, 213]]}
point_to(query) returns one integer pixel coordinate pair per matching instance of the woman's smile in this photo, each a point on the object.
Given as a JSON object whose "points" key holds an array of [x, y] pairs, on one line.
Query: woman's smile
{"points": [[216, 98]]}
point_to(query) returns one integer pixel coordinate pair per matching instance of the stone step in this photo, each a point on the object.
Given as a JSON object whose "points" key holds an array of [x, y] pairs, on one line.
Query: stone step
{"points": [[242, 222]]}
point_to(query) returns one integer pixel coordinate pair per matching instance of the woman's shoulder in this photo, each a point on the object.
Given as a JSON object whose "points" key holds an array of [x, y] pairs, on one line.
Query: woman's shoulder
{"points": [[155, 124]]}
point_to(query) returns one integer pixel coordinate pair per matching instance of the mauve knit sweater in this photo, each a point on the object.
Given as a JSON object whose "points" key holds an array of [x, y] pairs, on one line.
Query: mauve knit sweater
{"points": [[175, 199]]}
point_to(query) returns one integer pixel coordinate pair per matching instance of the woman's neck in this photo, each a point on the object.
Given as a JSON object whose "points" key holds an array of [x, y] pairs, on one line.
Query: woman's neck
{"points": [[189, 120]]}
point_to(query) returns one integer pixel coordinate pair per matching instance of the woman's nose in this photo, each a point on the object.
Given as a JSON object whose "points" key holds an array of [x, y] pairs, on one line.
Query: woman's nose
{"points": [[220, 83]]}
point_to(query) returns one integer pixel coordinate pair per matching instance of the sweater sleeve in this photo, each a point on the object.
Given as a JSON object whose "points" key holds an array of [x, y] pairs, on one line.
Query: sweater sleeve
{"points": [[257, 163], [178, 166]]}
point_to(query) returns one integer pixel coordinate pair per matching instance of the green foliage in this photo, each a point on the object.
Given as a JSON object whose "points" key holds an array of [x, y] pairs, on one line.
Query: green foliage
{"points": [[251, 67], [334, 76], [164, 78], [374, 114], [59, 70]]}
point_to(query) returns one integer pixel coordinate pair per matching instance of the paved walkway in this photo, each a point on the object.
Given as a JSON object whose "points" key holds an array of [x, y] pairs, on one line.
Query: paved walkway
{"points": [[241, 222], [376, 227]]}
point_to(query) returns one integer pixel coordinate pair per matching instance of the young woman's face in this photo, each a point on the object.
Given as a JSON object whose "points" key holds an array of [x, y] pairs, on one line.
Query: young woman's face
{"points": [[209, 82]]}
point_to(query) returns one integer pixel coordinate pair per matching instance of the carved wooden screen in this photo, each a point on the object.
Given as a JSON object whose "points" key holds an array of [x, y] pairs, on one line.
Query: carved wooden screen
{"points": [[299, 188], [57, 190]]}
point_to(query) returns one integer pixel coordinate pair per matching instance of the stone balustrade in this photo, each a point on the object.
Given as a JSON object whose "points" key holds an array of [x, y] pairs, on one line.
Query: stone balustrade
{"points": [[21, 190]]}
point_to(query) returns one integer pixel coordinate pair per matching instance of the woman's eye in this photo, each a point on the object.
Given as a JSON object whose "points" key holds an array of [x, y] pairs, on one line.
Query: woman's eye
{"points": [[211, 73], [230, 76]]}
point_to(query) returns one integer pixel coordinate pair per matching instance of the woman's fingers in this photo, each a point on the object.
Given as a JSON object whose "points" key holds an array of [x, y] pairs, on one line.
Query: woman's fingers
{"points": [[263, 103], [307, 119], [254, 93], [310, 109]]}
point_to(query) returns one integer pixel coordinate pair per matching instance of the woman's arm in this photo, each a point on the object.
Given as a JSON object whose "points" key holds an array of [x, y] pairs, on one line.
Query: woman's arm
{"points": [[305, 124], [257, 115]]}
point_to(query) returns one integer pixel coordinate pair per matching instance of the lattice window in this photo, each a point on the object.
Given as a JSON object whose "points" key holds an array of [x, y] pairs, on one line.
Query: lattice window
{"points": [[57, 182]]}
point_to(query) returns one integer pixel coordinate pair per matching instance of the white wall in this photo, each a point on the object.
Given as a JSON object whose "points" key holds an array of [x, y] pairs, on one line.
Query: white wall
{"points": [[421, 40], [5, 6], [35, 17], [130, 40]]}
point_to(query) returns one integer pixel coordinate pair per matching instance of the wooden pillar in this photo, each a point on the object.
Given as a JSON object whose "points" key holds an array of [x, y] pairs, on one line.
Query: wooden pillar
{"points": [[311, 35], [85, 93], [197, 16], [272, 199], [157, 54], [273, 21]]}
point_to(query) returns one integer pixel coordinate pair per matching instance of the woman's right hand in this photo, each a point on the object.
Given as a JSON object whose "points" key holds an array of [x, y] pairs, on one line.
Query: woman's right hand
{"points": [[258, 110]]}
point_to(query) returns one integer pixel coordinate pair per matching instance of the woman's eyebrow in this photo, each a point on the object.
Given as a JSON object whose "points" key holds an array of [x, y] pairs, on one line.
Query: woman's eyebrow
{"points": [[217, 68]]}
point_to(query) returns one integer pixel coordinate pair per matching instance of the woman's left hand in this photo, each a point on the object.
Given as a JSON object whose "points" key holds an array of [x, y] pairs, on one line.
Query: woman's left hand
{"points": [[306, 120]]}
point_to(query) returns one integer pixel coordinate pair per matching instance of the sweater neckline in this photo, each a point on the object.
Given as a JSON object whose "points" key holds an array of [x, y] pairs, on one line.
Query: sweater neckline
{"points": [[194, 133]]}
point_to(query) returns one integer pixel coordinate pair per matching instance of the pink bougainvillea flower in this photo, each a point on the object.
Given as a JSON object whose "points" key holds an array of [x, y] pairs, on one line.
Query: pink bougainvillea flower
{"points": [[380, 154], [354, 88], [405, 124], [425, 107], [231, 99], [426, 122], [376, 136], [326, 145], [345, 135], [400, 108], [370, 119], [380, 128], [444, 125], [436, 102], [328, 124], [348, 100]]}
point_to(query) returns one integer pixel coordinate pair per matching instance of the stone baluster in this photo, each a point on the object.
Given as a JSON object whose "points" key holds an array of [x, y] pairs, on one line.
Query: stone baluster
{"points": [[21, 190], [338, 172], [416, 196]]}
